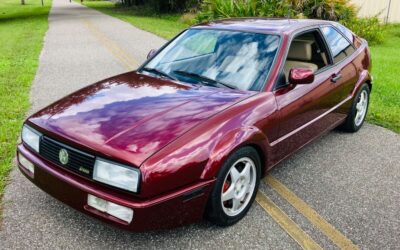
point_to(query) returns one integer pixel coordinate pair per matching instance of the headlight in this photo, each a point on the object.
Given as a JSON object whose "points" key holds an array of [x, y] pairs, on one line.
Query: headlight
{"points": [[116, 175], [31, 137]]}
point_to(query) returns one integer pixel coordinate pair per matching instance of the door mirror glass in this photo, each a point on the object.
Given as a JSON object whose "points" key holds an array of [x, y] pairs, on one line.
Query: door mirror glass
{"points": [[151, 53], [301, 76]]}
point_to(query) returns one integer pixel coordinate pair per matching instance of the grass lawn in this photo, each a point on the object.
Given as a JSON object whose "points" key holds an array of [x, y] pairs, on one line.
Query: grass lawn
{"points": [[22, 28], [385, 99], [166, 26]]}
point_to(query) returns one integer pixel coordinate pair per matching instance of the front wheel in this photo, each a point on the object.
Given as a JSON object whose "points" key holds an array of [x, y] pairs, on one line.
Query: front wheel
{"points": [[355, 118], [235, 189]]}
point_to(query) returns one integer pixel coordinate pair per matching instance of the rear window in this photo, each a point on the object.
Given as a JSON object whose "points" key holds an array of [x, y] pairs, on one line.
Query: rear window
{"points": [[340, 46]]}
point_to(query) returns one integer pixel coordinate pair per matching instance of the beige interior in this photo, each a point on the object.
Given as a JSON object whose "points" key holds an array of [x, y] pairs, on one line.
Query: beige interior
{"points": [[300, 56]]}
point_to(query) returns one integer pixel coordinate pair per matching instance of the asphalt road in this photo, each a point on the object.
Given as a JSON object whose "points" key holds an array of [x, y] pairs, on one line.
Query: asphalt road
{"points": [[351, 181]]}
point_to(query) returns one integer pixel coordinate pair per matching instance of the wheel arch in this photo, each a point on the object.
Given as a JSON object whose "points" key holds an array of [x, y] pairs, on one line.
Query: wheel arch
{"points": [[364, 77], [232, 141]]}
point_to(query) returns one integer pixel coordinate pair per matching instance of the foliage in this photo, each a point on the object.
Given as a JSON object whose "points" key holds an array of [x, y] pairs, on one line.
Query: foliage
{"points": [[334, 10], [143, 17], [163, 6], [368, 28], [321, 9], [22, 28]]}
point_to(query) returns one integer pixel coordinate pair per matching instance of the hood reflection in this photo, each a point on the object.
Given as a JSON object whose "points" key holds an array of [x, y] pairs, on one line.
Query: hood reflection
{"points": [[132, 114]]}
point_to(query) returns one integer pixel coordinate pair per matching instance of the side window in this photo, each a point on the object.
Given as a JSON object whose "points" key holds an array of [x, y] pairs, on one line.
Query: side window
{"points": [[306, 50], [340, 47], [346, 32]]}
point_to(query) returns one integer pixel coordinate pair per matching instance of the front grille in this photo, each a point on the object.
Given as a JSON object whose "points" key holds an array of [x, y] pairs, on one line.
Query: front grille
{"points": [[78, 161]]}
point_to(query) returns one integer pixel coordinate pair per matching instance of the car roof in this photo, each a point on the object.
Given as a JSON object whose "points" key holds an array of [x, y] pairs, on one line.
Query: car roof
{"points": [[262, 25]]}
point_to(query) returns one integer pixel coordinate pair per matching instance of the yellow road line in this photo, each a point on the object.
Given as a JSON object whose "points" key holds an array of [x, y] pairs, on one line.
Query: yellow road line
{"points": [[111, 46], [287, 224], [325, 227]]}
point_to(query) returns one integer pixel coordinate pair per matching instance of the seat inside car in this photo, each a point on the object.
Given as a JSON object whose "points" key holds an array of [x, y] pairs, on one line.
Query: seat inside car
{"points": [[306, 51], [300, 56]]}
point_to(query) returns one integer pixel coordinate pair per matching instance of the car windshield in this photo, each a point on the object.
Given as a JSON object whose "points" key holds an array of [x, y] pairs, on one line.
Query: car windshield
{"points": [[240, 60]]}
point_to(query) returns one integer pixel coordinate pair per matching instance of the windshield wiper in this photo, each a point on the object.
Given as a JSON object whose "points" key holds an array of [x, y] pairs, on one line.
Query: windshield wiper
{"points": [[202, 78], [159, 72]]}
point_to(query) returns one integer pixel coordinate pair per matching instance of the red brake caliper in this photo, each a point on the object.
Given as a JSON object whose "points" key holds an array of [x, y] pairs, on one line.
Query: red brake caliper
{"points": [[226, 186]]}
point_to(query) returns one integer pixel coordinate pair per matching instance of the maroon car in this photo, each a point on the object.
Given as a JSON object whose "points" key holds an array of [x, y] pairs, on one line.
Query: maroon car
{"points": [[191, 132]]}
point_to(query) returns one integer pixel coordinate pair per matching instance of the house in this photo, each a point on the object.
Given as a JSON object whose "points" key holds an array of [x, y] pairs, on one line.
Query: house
{"points": [[386, 10]]}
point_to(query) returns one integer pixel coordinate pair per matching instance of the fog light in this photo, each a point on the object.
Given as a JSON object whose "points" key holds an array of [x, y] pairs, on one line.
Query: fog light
{"points": [[121, 212], [26, 163]]}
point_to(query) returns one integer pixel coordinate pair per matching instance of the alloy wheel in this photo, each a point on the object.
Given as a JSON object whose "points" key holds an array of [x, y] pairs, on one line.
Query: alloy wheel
{"points": [[361, 108], [239, 186]]}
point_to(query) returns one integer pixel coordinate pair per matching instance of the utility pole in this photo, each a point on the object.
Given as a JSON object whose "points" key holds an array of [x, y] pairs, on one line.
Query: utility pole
{"points": [[388, 11]]}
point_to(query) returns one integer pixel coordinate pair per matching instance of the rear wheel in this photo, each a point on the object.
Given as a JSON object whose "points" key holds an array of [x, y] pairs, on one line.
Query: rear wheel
{"points": [[356, 117], [235, 189]]}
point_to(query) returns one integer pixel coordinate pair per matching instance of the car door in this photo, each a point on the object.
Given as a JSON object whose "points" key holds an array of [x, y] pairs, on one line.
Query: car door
{"points": [[343, 72], [304, 109]]}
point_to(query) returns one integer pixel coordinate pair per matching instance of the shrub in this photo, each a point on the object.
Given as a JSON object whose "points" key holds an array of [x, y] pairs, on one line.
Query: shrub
{"points": [[321, 9], [368, 28], [334, 10], [188, 19], [163, 6], [216, 9]]}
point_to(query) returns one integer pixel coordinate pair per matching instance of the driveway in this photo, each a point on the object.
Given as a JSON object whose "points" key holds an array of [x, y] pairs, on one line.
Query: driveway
{"points": [[341, 191]]}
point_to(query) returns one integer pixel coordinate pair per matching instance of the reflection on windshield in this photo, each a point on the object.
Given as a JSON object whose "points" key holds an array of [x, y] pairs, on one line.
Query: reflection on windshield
{"points": [[239, 59]]}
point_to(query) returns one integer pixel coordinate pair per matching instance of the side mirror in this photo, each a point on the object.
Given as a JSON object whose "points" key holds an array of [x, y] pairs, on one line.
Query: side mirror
{"points": [[151, 53], [301, 76]]}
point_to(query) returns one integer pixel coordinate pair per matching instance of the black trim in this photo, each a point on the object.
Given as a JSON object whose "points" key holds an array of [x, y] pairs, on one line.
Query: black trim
{"points": [[68, 147], [193, 194], [94, 157]]}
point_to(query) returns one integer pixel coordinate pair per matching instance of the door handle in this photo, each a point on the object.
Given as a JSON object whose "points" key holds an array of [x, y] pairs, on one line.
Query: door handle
{"points": [[336, 77]]}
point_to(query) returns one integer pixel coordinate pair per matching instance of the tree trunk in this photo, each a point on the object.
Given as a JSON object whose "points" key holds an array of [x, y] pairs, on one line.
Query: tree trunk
{"points": [[23, 2]]}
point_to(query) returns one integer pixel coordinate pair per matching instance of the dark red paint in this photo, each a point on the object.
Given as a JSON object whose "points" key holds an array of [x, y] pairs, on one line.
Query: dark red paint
{"points": [[180, 134], [301, 76]]}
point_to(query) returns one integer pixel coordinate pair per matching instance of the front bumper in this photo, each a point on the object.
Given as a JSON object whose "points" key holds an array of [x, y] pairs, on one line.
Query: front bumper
{"points": [[181, 207]]}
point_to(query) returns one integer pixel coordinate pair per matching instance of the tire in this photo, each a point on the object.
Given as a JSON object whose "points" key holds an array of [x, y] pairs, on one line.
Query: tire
{"points": [[353, 121], [243, 187]]}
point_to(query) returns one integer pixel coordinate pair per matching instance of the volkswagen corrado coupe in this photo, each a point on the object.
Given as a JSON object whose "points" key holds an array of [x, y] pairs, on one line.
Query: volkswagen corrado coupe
{"points": [[191, 132]]}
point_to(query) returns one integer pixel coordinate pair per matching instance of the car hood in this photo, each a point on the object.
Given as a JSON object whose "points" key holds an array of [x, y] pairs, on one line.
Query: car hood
{"points": [[131, 116]]}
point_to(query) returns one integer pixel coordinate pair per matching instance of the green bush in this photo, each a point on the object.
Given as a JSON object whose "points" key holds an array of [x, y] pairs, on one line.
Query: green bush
{"points": [[368, 28], [164, 6], [321, 9], [334, 10]]}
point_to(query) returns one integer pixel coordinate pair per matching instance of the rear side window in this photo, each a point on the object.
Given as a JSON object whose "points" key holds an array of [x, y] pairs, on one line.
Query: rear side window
{"points": [[340, 47], [346, 32]]}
